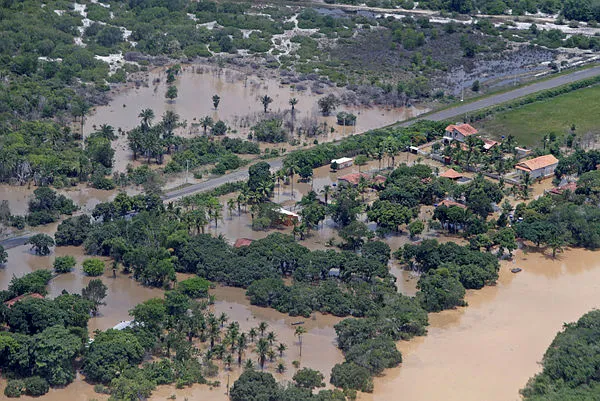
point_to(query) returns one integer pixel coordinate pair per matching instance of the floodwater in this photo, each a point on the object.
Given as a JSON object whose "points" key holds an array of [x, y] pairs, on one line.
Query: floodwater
{"points": [[122, 295], [490, 349], [239, 106], [84, 196]]}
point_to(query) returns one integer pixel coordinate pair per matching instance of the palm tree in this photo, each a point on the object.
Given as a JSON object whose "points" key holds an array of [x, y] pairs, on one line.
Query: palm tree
{"points": [[293, 102], [223, 318], [228, 361], [242, 344], [271, 354], [264, 190], [213, 332], [291, 170], [266, 101], [206, 123], [262, 327], [231, 207], [147, 115], [300, 331], [262, 348], [281, 348], [252, 334], [281, 368], [271, 337], [241, 200], [326, 191]]}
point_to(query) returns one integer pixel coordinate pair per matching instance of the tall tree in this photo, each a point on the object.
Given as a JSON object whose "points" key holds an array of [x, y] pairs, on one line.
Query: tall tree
{"points": [[95, 291], [299, 332]]}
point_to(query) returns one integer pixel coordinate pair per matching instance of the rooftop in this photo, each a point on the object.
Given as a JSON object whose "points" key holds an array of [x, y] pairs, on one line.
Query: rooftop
{"points": [[288, 213], [342, 160], [354, 178], [240, 242], [465, 129], [537, 163], [572, 186], [452, 174], [449, 203], [13, 301]]}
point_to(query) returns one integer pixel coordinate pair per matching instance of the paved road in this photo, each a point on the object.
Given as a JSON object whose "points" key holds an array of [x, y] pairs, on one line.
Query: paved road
{"points": [[15, 241], [507, 96], [213, 183], [435, 116]]}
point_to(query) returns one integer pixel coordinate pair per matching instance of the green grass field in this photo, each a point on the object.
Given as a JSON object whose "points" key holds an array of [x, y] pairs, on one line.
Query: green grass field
{"points": [[530, 123]]}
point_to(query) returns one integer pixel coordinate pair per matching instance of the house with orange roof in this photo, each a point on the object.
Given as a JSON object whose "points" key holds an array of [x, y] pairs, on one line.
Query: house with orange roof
{"points": [[459, 132], [13, 301], [451, 174], [540, 167]]}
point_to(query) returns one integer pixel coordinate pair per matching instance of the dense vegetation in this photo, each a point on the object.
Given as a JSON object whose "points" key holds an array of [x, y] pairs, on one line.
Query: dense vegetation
{"points": [[569, 364], [45, 335]]}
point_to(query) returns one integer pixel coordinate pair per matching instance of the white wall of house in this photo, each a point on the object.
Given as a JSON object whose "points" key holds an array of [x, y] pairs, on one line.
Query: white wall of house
{"points": [[541, 172]]}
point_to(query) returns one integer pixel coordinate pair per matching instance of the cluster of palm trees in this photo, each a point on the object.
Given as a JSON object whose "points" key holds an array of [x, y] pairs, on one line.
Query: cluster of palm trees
{"points": [[200, 211], [153, 141], [229, 344]]}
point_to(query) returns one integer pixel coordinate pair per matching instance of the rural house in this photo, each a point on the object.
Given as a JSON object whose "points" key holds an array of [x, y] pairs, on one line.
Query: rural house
{"points": [[540, 167], [343, 162], [458, 132]]}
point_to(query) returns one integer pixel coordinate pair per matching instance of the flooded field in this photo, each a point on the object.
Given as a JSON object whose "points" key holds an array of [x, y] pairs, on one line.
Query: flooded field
{"points": [[239, 106]]}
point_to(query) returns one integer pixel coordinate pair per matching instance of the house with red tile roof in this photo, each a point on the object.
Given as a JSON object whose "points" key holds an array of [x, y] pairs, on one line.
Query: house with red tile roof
{"points": [[540, 167], [459, 132], [353, 178], [13, 301]]}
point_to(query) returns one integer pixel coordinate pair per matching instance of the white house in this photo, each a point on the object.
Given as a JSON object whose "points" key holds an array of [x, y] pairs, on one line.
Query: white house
{"points": [[343, 162], [459, 132], [540, 167]]}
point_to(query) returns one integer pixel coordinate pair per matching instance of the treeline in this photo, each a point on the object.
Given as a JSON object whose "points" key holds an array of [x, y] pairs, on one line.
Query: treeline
{"points": [[377, 144], [569, 364]]}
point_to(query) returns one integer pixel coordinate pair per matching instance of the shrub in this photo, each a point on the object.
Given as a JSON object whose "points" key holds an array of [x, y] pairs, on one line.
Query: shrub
{"points": [[349, 375], [36, 386], [93, 267], [14, 388], [196, 287], [64, 264]]}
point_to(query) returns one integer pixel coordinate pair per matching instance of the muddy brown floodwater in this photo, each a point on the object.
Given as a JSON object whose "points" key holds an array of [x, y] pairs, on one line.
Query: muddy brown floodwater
{"points": [[489, 350], [239, 106]]}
